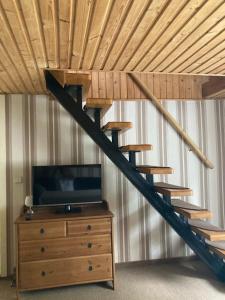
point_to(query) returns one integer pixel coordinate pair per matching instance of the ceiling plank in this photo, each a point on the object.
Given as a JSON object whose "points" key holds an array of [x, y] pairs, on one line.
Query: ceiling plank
{"points": [[199, 61], [214, 87], [123, 16], [40, 30], [194, 30], [55, 9], [159, 36], [46, 16], [176, 31], [211, 60], [101, 32], [13, 40], [129, 28], [73, 7], [91, 7], [160, 25], [150, 18], [12, 67], [27, 40], [4, 83], [64, 28], [80, 21], [111, 26], [219, 67], [11, 80], [199, 53], [95, 34]]}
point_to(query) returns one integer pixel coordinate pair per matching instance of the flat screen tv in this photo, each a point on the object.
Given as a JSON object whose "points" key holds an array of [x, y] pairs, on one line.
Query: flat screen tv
{"points": [[66, 185]]}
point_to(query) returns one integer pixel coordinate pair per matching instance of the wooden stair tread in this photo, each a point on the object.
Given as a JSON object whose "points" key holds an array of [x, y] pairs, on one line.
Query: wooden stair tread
{"points": [[205, 226], [194, 214], [217, 244], [218, 251], [189, 210], [207, 230], [69, 77], [117, 126], [178, 203], [154, 169], [171, 190], [210, 235], [136, 148], [98, 103]]}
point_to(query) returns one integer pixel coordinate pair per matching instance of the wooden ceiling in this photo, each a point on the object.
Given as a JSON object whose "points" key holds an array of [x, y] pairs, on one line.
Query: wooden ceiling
{"points": [[168, 36]]}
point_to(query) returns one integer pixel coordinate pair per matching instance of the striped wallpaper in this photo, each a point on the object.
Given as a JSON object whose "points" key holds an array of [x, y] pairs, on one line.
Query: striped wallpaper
{"points": [[39, 131]]}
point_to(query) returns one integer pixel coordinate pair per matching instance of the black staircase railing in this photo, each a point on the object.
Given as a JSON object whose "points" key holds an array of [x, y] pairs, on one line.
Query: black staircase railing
{"points": [[71, 99]]}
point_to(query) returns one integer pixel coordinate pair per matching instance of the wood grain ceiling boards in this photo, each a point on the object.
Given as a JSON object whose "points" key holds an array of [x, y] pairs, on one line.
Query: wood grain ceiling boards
{"points": [[167, 36]]}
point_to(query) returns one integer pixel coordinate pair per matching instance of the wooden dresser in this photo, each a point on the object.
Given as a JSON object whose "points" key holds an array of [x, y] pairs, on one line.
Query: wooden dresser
{"points": [[65, 249]]}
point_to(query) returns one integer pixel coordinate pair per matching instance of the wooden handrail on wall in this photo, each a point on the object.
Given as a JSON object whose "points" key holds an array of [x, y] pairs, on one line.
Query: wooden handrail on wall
{"points": [[172, 121]]}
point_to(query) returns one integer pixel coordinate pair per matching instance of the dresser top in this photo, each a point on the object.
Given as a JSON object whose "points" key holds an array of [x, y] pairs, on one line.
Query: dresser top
{"points": [[50, 215]]}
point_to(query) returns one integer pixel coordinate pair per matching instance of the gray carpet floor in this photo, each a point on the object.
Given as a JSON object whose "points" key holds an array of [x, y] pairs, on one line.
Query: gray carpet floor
{"points": [[188, 280]]}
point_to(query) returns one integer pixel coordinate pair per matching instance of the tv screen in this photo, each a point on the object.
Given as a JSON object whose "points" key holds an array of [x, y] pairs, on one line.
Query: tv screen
{"points": [[66, 184]]}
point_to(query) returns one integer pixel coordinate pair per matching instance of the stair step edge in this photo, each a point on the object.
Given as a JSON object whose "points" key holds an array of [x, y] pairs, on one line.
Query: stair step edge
{"points": [[154, 170], [118, 126], [136, 148], [172, 190]]}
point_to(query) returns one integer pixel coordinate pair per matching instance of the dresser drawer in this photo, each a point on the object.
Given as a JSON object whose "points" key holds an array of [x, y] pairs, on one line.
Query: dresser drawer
{"points": [[39, 231], [66, 247], [89, 226], [52, 273]]}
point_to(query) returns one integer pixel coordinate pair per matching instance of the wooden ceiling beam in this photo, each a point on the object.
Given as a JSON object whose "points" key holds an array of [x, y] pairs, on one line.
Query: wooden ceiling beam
{"points": [[6, 53], [207, 44], [214, 64], [181, 15], [55, 10], [73, 6], [14, 84], [173, 34], [130, 34], [123, 16], [169, 14], [214, 87], [200, 54], [14, 42], [24, 29], [197, 27], [86, 32], [158, 8], [4, 84], [221, 68], [37, 13], [101, 32]]}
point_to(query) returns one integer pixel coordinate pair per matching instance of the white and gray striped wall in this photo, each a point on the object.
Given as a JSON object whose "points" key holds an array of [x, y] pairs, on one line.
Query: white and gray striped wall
{"points": [[40, 132]]}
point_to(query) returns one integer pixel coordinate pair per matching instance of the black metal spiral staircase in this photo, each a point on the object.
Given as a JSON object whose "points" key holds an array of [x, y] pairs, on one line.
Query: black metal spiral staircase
{"points": [[203, 238]]}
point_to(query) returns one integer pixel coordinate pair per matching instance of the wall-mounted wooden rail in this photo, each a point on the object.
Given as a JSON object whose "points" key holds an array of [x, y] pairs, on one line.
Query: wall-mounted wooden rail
{"points": [[143, 87]]}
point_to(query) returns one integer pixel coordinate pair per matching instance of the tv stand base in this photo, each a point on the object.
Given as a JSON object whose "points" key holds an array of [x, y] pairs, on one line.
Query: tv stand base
{"points": [[67, 209]]}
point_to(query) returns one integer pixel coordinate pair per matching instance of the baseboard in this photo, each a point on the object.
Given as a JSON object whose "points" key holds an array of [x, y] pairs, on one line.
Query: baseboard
{"points": [[158, 261]]}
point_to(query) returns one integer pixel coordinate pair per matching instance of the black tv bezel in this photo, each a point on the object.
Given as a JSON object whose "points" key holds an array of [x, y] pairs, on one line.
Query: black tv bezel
{"points": [[71, 203]]}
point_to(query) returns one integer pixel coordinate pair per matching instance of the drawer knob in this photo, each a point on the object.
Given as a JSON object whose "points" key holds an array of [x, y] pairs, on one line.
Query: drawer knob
{"points": [[42, 231], [42, 249], [43, 273], [89, 245], [90, 268], [89, 227]]}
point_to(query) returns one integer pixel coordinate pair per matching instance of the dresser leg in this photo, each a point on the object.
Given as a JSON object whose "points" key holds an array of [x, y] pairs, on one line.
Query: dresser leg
{"points": [[17, 295], [113, 285]]}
